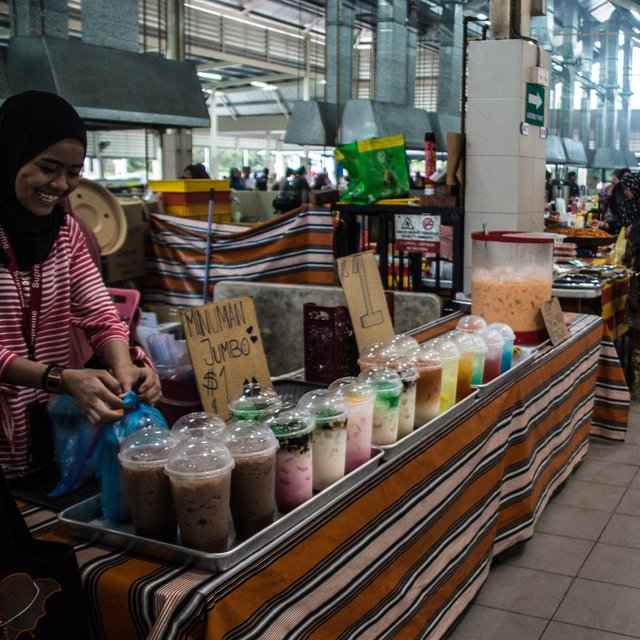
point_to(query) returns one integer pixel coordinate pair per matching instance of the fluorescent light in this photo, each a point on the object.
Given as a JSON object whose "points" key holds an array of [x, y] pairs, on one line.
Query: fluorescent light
{"points": [[271, 87], [257, 83], [635, 14], [209, 76], [481, 16]]}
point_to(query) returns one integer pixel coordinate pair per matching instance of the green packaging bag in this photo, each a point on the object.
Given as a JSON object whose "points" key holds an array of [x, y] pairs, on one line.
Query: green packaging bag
{"points": [[377, 168]]}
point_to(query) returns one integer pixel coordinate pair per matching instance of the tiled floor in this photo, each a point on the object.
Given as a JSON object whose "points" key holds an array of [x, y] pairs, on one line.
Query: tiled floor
{"points": [[579, 576]]}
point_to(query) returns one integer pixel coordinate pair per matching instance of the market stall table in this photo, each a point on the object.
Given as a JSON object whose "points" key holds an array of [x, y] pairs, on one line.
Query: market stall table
{"points": [[403, 552]]}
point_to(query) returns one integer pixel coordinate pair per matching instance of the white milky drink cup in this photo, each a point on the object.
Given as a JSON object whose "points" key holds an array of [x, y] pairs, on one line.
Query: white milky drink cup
{"points": [[386, 407], [329, 439], [359, 398]]}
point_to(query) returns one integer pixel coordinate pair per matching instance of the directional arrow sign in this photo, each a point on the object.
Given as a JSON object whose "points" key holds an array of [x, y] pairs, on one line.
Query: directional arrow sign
{"points": [[534, 104]]}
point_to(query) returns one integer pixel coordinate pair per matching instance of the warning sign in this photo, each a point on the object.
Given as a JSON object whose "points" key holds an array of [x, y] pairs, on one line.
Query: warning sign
{"points": [[418, 233]]}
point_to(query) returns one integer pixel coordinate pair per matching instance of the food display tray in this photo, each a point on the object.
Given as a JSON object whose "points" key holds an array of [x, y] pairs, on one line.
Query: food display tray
{"points": [[85, 518], [390, 451], [519, 363]]}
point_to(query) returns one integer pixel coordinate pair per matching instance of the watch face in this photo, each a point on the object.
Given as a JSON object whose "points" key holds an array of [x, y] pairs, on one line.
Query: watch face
{"points": [[53, 382]]}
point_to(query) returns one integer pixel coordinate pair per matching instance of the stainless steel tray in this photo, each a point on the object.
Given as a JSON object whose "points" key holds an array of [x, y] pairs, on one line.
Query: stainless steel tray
{"points": [[390, 451], [86, 519], [518, 364]]}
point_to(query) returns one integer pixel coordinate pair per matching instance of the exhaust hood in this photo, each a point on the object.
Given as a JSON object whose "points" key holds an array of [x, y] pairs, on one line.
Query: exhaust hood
{"points": [[106, 86], [555, 150], [605, 158], [574, 151]]}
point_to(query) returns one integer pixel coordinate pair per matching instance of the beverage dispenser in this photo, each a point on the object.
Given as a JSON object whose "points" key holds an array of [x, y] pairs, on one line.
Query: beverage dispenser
{"points": [[512, 275]]}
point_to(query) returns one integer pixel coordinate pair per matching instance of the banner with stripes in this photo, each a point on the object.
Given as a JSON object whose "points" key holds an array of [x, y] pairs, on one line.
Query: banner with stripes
{"points": [[295, 248]]}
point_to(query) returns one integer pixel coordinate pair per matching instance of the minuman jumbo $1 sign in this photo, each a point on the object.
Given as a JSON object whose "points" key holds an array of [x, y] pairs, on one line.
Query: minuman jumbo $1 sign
{"points": [[226, 350]]}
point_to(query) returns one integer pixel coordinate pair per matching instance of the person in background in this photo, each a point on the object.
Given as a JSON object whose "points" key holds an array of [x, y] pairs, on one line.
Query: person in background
{"points": [[548, 187], [572, 183], [613, 199], [236, 181], [300, 185], [418, 181], [195, 171], [284, 182], [249, 181], [321, 181], [49, 283], [262, 179]]}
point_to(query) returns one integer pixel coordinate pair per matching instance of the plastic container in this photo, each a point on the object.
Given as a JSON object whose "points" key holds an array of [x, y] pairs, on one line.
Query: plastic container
{"points": [[479, 356], [512, 275], [199, 470], [450, 357], [386, 407], [253, 479], [466, 346], [252, 400], [199, 423], [408, 373], [471, 324], [359, 398], [400, 344], [493, 359], [374, 355], [329, 439], [147, 489], [507, 348], [292, 426], [428, 364]]}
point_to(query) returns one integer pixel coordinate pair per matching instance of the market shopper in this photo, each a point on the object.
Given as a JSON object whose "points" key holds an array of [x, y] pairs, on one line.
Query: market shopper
{"points": [[616, 214], [195, 171]]}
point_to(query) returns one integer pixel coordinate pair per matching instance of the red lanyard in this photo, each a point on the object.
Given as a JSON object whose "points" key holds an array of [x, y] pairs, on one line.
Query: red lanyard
{"points": [[30, 311]]}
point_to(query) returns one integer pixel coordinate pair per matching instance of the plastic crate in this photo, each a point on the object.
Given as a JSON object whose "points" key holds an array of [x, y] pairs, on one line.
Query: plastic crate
{"points": [[188, 186]]}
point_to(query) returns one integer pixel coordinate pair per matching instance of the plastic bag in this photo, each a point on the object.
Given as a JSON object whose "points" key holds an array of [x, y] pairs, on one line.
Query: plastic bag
{"points": [[72, 438], [377, 168], [137, 416]]}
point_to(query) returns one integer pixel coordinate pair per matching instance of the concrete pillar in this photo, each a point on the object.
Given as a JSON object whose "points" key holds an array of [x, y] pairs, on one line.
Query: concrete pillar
{"points": [[504, 168], [35, 18]]}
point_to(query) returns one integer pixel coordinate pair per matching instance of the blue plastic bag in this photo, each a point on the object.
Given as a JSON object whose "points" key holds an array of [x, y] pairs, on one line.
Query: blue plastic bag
{"points": [[72, 438], [137, 416]]}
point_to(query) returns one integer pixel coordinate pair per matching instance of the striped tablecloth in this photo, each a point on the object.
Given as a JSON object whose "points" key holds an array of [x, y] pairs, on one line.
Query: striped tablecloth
{"points": [[403, 552]]}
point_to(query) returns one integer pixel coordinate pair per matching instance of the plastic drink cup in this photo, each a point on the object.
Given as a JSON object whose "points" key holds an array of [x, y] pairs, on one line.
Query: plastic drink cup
{"points": [[253, 479], [329, 439], [509, 336], [493, 359], [142, 457], [465, 343], [387, 386], [200, 473], [450, 356], [252, 401], [471, 324], [199, 423], [479, 354], [429, 366], [401, 344], [374, 355], [359, 398], [292, 427], [409, 377]]}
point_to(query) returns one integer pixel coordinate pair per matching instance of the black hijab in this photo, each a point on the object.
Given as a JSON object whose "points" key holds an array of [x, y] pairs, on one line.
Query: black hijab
{"points": [[31, 122]]}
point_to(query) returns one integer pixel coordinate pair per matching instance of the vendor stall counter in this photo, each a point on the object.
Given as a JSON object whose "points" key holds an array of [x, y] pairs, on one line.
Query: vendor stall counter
{"points": [[405, 550]]}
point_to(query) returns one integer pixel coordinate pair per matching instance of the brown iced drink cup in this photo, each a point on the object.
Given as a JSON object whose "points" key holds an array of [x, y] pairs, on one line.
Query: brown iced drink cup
{"points": [[199, 423], [253, 447], [199, 469], [147, 489]]}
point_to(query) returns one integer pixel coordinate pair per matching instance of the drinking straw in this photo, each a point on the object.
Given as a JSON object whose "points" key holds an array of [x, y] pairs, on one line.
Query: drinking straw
{"points": [[207, 257]]}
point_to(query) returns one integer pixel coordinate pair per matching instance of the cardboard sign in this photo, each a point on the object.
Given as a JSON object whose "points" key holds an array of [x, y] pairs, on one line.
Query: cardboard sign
{"points": [[554, 321], [364, 294], [226, 350]]}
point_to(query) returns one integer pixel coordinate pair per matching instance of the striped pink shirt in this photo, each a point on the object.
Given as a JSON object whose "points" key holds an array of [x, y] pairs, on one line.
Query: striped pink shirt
{"points": [[72, 293]]}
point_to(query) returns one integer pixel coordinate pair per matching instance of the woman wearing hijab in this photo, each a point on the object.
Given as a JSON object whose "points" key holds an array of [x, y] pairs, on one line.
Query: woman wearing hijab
{"points": [[48, 281]]}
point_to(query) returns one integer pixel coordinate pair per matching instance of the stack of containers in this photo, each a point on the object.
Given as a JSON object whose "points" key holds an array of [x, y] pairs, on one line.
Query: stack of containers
{"points": [[190, 198]]}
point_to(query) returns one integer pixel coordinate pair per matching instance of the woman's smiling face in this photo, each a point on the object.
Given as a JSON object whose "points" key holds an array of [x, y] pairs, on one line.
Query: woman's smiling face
{"points": [[50, 177]]}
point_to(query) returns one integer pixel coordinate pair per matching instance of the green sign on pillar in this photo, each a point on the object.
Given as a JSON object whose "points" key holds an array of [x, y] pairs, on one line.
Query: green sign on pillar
{"points": [[534, 107]]}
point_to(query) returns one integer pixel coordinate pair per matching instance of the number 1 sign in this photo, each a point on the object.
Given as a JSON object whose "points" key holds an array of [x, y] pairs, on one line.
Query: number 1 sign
{"points": [[364, 294]]}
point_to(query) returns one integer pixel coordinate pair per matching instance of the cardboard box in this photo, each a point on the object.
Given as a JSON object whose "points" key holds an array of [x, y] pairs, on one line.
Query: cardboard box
{"points": [[128, 263]]}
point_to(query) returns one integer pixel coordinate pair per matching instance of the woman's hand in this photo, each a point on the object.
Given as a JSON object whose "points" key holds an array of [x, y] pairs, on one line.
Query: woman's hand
{"points": [[96, 392], [144, 381]]}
